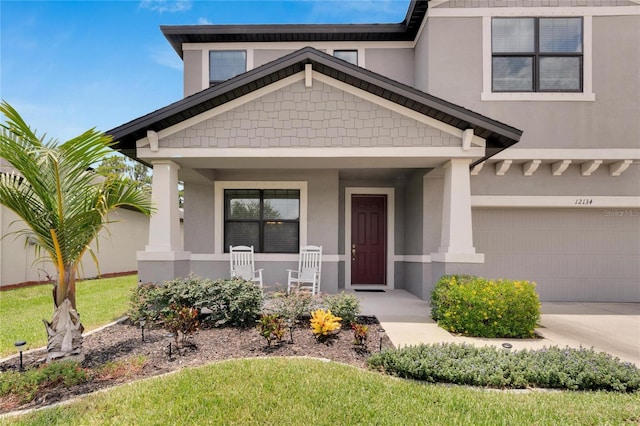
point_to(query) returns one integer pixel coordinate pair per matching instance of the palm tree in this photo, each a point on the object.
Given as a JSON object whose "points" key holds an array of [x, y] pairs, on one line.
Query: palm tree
{"points": [[64, 205]]}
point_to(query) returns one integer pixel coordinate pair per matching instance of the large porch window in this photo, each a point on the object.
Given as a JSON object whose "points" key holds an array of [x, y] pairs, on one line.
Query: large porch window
{"points": [[267, 219]]}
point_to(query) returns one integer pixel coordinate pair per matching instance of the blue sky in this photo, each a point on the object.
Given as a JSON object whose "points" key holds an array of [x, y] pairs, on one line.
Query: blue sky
{"points": [[68, 66]]}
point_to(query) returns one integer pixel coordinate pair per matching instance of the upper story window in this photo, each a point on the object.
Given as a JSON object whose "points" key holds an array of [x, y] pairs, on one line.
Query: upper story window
{"points": [[225, 64], [537, 54], [350, 56]]}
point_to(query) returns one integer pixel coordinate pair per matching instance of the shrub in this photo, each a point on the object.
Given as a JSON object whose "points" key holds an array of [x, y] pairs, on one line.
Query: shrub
{"points": [[181, 321], [479, 307], [27, 384], [233, 302], [271, 326], [344, 305], [360, 333], [292, 306], [574, 369], [324, 323]]}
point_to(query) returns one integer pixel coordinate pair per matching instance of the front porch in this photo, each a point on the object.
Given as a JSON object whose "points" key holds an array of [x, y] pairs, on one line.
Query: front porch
{"points": [[374, 171]]}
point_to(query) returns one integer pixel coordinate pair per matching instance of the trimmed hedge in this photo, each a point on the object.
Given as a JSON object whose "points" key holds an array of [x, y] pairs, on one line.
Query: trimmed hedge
{"points": [[573, 369], [474, 306], [233, 302]]}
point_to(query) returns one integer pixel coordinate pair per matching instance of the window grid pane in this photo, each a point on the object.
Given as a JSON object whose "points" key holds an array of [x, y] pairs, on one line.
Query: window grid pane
{"points": [[513, 35], [225, 64], [280, 237], [241, 234], [282, 204], [350, 56], [561, 35], [242, 204], [560, 73], [513, 74]]}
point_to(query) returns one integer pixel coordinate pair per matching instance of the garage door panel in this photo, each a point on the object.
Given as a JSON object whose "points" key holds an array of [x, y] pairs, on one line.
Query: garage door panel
{"points": [[573, 255]]}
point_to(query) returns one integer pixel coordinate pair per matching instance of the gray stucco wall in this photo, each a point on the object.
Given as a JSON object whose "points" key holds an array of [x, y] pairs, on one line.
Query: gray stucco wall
{"points": [[321, 116], [264, 56], [199, 234], [413, 214], [397, 64], [572, 255], [192, 61]]}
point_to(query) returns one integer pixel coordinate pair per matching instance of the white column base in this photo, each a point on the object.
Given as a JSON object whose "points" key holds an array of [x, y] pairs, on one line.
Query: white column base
{"points": [[457, 257], [163, 255]]}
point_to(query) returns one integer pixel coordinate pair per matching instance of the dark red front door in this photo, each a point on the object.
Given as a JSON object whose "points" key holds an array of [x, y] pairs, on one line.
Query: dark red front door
{"points": [[368, 239]]}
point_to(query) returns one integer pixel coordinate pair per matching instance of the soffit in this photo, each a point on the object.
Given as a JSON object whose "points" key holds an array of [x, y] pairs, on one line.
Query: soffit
{"points": [[406, 30]]}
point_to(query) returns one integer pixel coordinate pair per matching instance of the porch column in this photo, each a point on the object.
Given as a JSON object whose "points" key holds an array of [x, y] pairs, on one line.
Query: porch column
{"points": [[164, 257], [164, 225], [456, 238]]}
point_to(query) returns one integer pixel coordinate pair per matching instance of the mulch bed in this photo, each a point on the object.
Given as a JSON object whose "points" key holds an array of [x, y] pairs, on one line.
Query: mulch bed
{"points": [[123, 341]]}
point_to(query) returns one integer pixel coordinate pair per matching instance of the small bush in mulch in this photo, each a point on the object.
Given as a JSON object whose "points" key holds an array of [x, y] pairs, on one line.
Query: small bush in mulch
{"points": [[474, 306], [343, 305], [229, 303], [573, 369]]}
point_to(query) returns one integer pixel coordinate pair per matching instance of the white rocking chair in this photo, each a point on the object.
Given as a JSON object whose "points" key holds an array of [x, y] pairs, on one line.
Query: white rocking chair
{"points": [[242, 266], [308, 274]]}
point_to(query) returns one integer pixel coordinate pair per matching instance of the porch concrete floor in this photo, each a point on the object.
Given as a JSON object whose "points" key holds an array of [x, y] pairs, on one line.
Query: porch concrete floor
{"points": [[609, 327]]}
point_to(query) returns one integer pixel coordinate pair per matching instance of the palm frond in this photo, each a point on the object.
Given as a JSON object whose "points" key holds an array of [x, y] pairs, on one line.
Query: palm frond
{"points": [[63, 204]]}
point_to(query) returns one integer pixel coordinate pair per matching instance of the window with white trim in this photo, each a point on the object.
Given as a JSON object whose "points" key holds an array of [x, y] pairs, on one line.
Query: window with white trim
{"points": [[537, 54], [226, 64], [350, 56], [267, 219]]}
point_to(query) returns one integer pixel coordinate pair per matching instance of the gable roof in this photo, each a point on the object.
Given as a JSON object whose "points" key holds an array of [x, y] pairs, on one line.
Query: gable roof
{"points": [[403, 31], [499, 136]]}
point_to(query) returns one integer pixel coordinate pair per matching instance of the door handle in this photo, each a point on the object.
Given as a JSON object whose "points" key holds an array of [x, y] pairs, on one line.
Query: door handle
{"points": [[353, 252]]}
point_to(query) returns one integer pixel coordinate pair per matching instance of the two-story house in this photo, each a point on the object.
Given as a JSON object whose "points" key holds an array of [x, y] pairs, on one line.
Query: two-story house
{"points": [[493, 137]]}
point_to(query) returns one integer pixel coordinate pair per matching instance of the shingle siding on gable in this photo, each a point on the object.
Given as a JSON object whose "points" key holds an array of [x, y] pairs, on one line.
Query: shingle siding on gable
{"points": [[321, 116], [533, 3]]}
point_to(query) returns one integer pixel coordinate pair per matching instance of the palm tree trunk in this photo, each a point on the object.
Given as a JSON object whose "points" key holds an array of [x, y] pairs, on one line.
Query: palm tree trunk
{"points": [[65, 330]]}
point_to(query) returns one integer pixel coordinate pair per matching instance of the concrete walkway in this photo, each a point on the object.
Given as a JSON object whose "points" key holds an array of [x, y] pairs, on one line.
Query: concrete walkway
{"points": [[609, 327]]}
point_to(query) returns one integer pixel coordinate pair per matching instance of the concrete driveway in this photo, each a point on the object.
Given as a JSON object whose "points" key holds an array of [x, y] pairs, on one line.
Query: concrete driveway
{"points": [[609, 327]]}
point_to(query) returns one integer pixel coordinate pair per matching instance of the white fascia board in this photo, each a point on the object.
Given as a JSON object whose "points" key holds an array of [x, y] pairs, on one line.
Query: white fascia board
{"points": [[561, 201], [310, 152], [470, 12], [568, 154], [362, 94]]}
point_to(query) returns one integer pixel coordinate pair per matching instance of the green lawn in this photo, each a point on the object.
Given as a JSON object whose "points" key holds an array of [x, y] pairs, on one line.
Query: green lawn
{"points": [[276, 391], [22, 310]]}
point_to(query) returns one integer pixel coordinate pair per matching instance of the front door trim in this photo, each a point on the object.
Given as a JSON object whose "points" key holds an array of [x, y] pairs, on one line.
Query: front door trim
{"points": [[390, 193]]}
